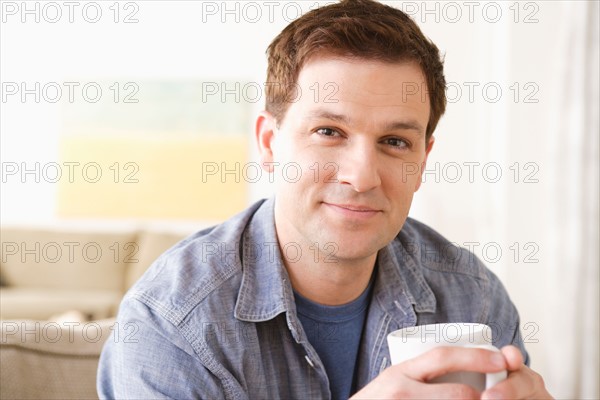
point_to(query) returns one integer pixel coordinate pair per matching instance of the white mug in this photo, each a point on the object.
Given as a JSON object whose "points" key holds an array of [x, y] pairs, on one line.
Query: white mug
{"points": [[413, 341]]}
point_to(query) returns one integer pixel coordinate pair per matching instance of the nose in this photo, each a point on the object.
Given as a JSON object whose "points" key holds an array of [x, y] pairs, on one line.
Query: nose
{"points": [[359, 167]]}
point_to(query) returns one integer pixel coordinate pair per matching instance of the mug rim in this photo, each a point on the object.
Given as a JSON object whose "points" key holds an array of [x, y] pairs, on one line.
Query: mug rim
{"points": [[416, 332]]}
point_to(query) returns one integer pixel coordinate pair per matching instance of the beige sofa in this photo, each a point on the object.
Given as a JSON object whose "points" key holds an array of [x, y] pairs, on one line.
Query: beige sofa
{"points": [[44, 272], [60, 292]]}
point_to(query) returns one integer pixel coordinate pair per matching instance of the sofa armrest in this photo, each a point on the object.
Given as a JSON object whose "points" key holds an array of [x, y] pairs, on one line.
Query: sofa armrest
{"points": [[51, 360]]}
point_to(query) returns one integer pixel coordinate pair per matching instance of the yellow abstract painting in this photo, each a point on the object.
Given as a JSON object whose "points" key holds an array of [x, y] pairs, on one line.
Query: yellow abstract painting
{"points": [[164, 151]]}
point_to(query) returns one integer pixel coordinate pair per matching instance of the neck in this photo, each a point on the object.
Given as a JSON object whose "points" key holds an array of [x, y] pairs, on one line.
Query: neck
{"points": [[319, 276]]}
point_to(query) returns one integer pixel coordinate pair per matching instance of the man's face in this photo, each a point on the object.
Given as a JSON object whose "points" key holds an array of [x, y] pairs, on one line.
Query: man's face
{"points": [[357, 131]]}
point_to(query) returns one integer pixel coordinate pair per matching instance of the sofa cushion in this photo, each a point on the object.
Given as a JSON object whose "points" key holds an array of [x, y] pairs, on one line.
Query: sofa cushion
{"points": [[64, 260], [41, 304]]}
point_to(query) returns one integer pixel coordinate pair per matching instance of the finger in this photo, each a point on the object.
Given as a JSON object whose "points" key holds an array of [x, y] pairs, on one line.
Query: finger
{"points": [[513, 356], [393, 383], [407, 388], [520, 384], [443, 360], [447, 390]]}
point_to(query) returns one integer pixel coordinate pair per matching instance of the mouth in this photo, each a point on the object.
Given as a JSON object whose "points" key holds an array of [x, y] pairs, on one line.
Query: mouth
{"points": [[353, 210]]}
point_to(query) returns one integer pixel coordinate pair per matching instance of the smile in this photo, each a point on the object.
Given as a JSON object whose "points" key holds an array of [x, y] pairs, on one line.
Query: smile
{"points": [[353, 210]]}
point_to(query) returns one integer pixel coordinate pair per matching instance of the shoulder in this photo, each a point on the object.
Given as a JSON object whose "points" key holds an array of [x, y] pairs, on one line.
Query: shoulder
{"points": [[436, 254], [464, 287], [189, 272]]}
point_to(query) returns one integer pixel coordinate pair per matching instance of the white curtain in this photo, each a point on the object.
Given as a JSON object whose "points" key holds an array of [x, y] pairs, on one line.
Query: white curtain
{"points": [[543, 213], [572, 292]]}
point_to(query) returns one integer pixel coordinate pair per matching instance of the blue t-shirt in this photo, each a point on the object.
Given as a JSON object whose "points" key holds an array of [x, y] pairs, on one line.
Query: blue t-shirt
{"points": [[335, 333]]}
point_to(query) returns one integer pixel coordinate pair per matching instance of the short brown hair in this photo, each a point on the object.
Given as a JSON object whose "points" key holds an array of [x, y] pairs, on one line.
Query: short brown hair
{"points": [[358, 29]]}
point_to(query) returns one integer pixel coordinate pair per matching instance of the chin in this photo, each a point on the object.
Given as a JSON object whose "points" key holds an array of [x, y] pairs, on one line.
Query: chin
{"points": [[352, 247], [348, 255]]}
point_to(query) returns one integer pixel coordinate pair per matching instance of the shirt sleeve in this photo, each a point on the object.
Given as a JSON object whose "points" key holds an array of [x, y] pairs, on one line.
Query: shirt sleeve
{"points": [[146, 357], [503, 317]]}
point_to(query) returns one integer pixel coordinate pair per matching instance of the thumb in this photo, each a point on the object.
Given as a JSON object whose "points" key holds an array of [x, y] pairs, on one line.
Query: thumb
{"points": [[513, 357]]}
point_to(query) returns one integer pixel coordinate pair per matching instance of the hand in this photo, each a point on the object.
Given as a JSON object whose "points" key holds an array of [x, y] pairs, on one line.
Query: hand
{"points": [[521, 383], [410, 378]]}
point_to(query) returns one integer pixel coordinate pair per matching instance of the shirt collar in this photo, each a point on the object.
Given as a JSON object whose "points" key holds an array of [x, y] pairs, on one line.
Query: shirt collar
{"points": [[266, 290], [400, 283]]}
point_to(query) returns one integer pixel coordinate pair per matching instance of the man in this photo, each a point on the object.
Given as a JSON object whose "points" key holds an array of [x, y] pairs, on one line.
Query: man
{"points": [[294, 297]]}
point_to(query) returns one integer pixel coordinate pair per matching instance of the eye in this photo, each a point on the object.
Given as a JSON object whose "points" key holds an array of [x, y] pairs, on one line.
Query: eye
{"points": [[329, 132], [397, 143]]}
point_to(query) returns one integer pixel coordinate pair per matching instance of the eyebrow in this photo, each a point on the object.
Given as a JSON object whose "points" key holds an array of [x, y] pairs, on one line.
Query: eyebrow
{"points": [[392, 126]]}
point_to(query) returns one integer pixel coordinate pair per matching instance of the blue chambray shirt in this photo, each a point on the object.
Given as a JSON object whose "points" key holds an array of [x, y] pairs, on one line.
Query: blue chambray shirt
{"points": [[214, 317]]}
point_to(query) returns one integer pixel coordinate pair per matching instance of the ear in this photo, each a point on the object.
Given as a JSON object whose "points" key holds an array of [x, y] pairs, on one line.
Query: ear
{"points": [[424, 163], [265, 133]]}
